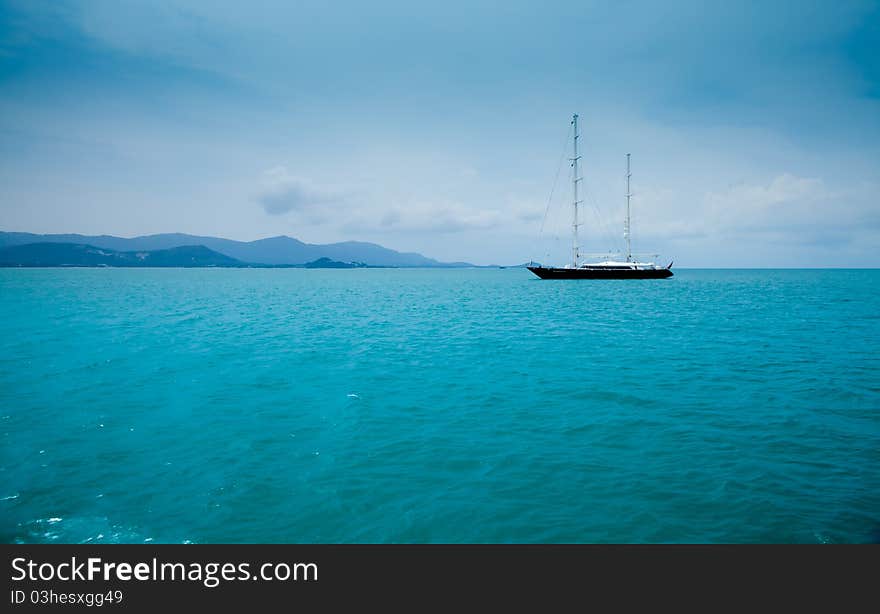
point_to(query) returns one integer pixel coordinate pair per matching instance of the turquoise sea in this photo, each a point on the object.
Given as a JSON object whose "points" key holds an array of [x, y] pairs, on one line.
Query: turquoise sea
{"points": [[224, 405]]}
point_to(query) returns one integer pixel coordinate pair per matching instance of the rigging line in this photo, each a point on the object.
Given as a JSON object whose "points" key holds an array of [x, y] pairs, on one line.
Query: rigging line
{"points": [[555, 179], [610, 238], [554, 225], [553, 188]]}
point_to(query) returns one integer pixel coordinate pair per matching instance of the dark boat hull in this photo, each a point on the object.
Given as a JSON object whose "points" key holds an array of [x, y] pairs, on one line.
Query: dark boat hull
{"points": [[560, 273]]}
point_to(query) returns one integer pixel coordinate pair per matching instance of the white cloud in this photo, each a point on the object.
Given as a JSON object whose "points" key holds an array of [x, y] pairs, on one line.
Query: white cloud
{"points": [[364, 210], [786, 208], [422, 216], [749, 207], [283, 192]]}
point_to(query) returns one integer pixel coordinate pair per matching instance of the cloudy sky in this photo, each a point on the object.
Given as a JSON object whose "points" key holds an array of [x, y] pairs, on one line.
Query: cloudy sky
{"points": [[438, 127]]}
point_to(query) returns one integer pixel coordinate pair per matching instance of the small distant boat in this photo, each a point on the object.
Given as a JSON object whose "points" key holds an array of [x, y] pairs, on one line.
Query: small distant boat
{"points": [[623, 268]]}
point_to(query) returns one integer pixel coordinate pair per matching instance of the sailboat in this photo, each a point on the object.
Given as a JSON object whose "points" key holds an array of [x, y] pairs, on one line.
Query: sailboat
{"points": [[623, 268]]}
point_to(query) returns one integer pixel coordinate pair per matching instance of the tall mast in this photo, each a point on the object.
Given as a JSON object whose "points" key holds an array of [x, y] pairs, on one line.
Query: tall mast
{"points": [[574, 181], [626, 226]]}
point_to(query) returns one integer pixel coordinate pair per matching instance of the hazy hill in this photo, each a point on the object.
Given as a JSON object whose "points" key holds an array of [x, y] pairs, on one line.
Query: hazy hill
{"points": [[274, 250], [74, 254], [326, 263]]}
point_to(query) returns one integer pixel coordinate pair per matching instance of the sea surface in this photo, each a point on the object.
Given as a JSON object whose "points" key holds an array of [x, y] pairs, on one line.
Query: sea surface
{"points": [[379, 405]]}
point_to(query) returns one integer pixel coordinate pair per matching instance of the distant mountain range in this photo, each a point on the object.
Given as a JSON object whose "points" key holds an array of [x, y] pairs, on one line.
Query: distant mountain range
{"points": [[76, 254], [82, 255], [280, 250]]}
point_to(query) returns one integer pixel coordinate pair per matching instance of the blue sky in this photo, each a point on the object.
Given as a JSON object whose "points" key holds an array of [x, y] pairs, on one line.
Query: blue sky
{"points": [[438, 127]]}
